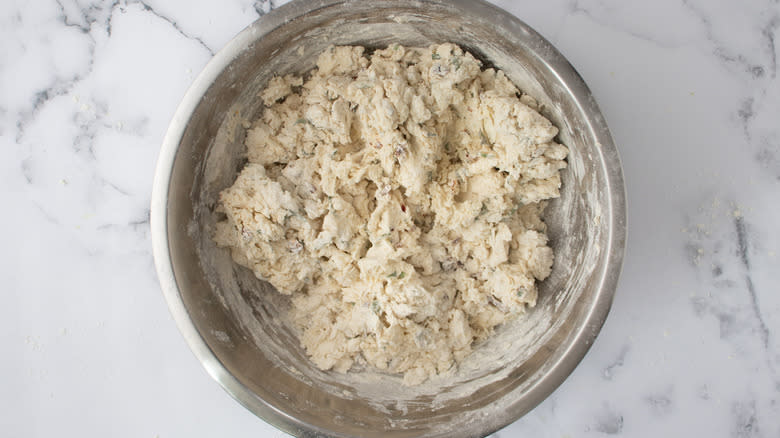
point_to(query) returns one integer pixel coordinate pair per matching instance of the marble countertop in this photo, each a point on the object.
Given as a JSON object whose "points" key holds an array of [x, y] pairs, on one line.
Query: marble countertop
{"points": [[689, 88]]}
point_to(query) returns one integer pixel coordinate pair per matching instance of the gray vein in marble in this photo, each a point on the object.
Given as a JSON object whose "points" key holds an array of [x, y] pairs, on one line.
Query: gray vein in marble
{"points": [[575, 7], [110, 21], [721, 240], [87, 19], [768, 32], [110, 184], [660, 403], [60, 86], [85, 137], [175, 25], [742, 249], [26, 167], [768, 158], [609, 371], [746, 113], [86, 16], [135, 224], [703, 392], [764, 89], [609, 422], [728, 56], [46, 216], [89, 123], [745, 420]]}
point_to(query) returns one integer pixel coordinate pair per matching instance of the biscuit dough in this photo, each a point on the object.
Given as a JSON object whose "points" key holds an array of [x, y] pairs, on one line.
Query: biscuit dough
{"points": [[396, 198]]}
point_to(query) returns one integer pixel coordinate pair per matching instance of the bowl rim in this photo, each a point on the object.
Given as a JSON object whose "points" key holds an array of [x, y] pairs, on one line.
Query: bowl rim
{"points": [[579, 343]]}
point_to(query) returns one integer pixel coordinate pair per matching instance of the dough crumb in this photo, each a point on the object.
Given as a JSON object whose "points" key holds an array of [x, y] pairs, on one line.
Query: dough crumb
{"points": [[396, 197]]}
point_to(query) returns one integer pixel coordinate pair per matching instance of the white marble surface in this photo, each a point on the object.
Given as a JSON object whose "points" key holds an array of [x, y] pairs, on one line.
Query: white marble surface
{"points": [[690, 91]]}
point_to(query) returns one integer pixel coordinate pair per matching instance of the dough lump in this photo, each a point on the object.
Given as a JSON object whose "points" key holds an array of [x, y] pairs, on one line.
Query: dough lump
{"points": [[396, 197]]}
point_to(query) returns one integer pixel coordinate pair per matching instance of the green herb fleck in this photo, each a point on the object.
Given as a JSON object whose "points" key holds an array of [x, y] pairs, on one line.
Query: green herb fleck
{"points": [[401, 275], [376, 307], [393, 275], [435, 56], [301, 120], [364, 86], [455, 60], [447, 146], [483, 155], [483, 210], [396, 46], [520, 293]]}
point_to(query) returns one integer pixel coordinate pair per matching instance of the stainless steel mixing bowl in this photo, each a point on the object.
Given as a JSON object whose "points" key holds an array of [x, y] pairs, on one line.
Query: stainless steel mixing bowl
{"points": [[235, 323]]}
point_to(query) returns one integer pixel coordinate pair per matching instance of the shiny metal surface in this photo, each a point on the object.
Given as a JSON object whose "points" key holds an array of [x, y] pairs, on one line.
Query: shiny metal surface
{"points": [[233, 322]]}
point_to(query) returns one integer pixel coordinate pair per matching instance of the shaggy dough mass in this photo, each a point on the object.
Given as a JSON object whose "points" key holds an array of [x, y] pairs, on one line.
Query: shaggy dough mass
{"points": [[397, 198]]}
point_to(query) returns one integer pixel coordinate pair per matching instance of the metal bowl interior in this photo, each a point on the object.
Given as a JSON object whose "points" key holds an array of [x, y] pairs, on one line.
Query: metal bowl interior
{"points": [[235, 323]]}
